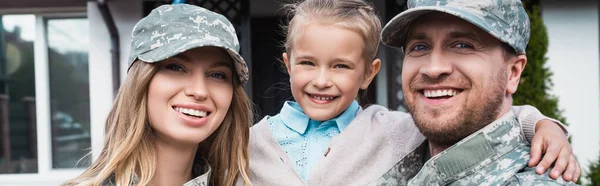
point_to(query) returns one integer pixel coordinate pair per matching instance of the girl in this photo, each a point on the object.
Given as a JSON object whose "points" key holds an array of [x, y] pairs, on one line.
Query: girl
{"points": [[181, 116], [325, 138]]}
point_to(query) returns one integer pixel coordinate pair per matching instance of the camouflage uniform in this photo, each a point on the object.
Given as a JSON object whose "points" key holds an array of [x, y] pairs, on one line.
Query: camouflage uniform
{"points": [[406, 168], [201, 171], [496, 154]]}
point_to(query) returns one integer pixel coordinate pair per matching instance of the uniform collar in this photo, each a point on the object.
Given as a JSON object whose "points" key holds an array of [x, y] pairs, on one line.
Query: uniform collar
{"points": [[475, 151], [201, 170], [294, 117], [202, 179]]}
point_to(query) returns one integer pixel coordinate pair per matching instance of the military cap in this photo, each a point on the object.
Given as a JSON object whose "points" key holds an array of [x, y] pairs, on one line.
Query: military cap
{"points": [[172, 29], [506, 20]]}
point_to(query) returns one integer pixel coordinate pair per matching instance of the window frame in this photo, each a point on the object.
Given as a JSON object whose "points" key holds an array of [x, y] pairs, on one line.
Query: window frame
{"points": [[46, 175]]}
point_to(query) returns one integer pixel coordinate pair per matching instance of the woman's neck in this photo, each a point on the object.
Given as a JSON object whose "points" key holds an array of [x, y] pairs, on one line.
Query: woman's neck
{"points": [[175, 163]]}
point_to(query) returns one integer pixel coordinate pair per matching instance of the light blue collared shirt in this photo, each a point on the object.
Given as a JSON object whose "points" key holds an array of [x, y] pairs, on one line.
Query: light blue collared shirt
{"points": [[306, 140]]}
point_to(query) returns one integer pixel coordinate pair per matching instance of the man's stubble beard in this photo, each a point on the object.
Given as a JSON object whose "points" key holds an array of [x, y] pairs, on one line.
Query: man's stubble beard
{"points": [[470, 119]]}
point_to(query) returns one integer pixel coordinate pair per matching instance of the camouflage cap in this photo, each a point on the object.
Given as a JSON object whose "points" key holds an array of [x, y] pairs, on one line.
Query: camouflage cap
{"points": [[503, 19], [172, 29]]}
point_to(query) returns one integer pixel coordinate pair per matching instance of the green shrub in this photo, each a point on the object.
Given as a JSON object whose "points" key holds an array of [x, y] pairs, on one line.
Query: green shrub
{"points": [[593, 176], [536, 78]]}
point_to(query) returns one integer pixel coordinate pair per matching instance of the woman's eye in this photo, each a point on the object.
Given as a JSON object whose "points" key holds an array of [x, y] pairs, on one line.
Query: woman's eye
{"points": [[218, 75], [175, 67]]}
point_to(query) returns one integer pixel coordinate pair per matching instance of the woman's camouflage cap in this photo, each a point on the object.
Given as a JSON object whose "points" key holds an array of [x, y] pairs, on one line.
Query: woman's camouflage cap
{"points": [[506, 20], [172, 29]]}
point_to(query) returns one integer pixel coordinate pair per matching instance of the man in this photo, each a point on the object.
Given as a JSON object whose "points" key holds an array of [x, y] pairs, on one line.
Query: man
{"points": [[463, 60]]}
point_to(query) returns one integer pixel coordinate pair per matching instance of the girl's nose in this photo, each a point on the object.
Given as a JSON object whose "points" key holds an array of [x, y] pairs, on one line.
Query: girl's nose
{"points": [[322, 80]]}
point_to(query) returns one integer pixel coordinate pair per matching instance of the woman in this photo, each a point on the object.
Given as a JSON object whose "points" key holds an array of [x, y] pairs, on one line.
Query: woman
{"points": [[181, 116]]}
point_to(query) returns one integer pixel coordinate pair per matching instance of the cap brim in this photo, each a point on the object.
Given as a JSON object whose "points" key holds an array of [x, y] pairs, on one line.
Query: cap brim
{"points": [[170, 50], [395, 32]]}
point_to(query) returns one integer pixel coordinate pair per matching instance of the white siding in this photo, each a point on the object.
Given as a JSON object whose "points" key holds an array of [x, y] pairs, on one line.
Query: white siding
{"points": [[125, 14], [573, 56]]}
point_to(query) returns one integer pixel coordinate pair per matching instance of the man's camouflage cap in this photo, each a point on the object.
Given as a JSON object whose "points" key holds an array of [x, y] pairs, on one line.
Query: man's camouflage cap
{"points": [[504, 19], [172, 29]]}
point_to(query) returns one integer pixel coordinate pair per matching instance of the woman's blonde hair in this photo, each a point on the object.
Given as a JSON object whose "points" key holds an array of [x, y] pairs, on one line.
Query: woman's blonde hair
{"points": [[226, 150], [356, 15]]}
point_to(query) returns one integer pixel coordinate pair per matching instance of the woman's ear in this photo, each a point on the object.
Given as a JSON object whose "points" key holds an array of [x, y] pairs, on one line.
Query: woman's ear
{"points": [[515, 69], [371, 73]]}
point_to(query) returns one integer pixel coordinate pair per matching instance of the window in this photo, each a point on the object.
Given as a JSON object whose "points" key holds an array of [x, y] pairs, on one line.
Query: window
{"points": [[69, 91], [18, 147], [44, 93]]}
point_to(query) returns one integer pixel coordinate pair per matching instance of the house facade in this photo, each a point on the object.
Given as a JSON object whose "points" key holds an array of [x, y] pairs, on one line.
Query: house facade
{"points": [[61, 62]]}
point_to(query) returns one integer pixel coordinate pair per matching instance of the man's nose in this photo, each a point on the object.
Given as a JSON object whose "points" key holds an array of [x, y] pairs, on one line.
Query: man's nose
{"points": [[437, 66]]}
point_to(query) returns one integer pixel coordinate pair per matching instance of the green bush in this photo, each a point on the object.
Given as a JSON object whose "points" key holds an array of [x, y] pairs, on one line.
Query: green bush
{"points": [[593, 176], [536, 81], [536, 78]]}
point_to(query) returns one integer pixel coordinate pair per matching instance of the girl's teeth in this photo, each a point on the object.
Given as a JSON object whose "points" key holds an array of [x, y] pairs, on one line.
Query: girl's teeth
{"points": [[323, 98]]}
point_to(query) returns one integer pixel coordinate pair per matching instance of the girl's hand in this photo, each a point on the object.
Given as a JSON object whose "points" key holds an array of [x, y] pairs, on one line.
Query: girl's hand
{"points": [[551, 141]]}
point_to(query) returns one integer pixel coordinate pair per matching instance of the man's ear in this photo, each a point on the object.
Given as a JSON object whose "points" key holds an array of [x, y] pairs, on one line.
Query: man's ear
{"points": [[372, 72], [515, 69], [286, 61]]}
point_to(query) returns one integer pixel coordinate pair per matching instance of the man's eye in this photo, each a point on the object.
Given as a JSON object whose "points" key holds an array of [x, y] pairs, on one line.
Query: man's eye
{"points": [[175, 67], [419, 48], [462, 45]]}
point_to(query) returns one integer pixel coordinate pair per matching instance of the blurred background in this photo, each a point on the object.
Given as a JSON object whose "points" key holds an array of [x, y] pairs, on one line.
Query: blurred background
{"points": [[61, 62]]}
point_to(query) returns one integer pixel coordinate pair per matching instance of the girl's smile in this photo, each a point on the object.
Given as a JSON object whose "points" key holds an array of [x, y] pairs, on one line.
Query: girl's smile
{"points": [[322, 98]]}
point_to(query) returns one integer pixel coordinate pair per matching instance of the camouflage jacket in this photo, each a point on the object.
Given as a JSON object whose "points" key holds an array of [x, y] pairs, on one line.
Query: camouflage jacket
{"points": [[406, 168], [201, 173], [495, 155]]}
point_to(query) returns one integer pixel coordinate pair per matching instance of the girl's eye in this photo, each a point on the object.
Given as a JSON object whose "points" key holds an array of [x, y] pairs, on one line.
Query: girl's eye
{"points": [[306, 63], [341, 66], [218, 75], [175, 67]]}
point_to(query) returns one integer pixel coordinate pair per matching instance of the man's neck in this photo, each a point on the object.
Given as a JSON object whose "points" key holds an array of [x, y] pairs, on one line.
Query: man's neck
{"points": [[175, 163], [435, 149]]}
